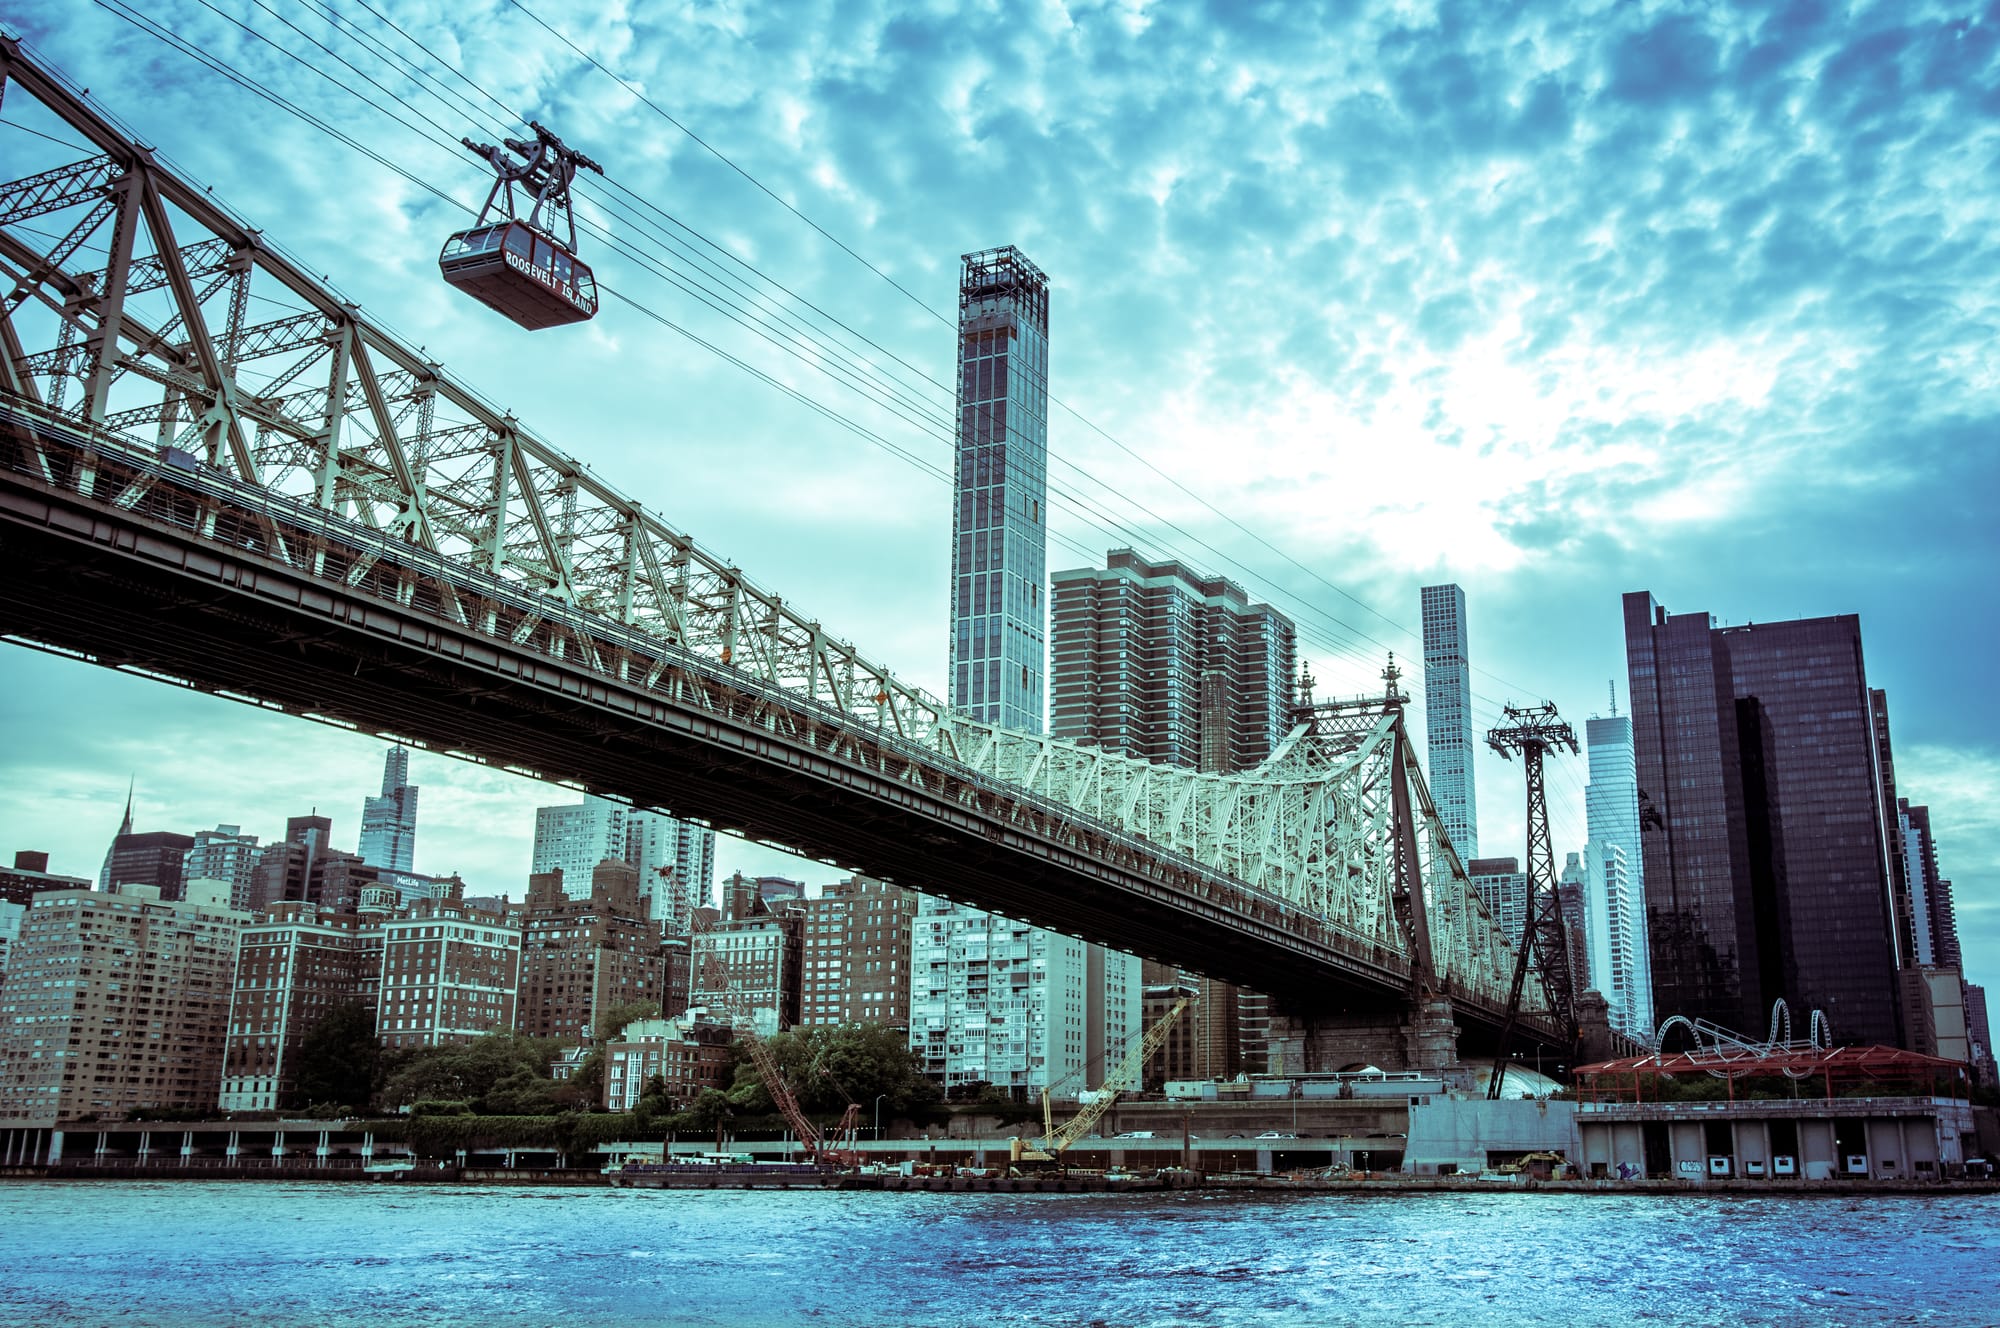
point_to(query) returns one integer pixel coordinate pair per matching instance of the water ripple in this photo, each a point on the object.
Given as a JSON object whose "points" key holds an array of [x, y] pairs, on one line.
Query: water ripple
{"points": [[189, 1255]]}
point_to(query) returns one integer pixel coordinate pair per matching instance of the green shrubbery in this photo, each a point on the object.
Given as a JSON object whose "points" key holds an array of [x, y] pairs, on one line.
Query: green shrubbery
{"points": [[462, 1095]]}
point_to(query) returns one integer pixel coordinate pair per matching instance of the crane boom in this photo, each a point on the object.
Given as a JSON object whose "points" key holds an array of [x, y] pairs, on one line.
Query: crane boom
{"points": [[811, 1139], [781, 1092], [1055, 1141]]}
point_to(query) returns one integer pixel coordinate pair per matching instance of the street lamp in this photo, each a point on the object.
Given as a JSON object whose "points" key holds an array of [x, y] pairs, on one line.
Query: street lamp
{"points": [[878, 1115]]}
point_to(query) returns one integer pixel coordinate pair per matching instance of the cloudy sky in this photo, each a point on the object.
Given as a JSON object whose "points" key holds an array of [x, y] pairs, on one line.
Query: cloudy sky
{"points": [[1554, 302]]}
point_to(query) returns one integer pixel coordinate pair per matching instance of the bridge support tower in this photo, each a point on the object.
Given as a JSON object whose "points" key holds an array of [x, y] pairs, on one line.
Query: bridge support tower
{"points": [[1423, 1036]]}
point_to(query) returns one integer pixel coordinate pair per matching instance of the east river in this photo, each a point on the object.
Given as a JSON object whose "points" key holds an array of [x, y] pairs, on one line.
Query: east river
{"points": [[181, 1253]]}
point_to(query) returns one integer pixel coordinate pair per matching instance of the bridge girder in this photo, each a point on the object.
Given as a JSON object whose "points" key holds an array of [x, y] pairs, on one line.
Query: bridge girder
{"points": [[1315, 825]]}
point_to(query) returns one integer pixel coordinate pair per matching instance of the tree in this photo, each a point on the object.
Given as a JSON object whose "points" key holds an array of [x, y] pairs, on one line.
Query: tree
{"points": [[612, 1021], [471, 1071], [523, 1092], [705, 1116], [584, 1089], [653, 1104], [827, 1068], [337, 1061]]}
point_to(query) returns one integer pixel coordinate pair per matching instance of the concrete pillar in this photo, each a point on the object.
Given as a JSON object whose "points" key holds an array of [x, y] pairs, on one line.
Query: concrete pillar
{"points": [[229, 1153], [145, 1146], [1430, 1039], [1306, 1044], [187, 1144], [55, 1146]]}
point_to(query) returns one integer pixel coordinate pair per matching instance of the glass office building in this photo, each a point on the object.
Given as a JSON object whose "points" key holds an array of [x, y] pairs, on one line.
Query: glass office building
{"points": [[1767, 872], [1448, 735]]}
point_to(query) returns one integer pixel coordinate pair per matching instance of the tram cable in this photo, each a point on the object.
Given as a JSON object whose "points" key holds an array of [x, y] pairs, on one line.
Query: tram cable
{"points": [[1075, 502], [721, 304], [1495, 707]]}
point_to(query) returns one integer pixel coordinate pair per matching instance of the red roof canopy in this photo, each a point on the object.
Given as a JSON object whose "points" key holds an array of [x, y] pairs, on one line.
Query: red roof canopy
{"points": [[1877, 1062]]}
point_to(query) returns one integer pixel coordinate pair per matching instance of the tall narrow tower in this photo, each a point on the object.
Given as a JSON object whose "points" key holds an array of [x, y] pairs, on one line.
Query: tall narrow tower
{"points": [[1448, 717], [999, 546], [104, 881], [389, 823], [991, 1000], [1614, 864]]}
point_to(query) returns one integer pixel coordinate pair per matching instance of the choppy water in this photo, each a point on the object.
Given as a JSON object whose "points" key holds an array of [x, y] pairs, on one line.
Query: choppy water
{"points": [[329, 1256]]}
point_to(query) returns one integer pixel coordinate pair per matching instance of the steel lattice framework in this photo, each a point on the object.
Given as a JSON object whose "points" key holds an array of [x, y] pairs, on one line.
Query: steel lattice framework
{"points": [[326, 408], [1314, 826], [324, 445], [1535, 731]]}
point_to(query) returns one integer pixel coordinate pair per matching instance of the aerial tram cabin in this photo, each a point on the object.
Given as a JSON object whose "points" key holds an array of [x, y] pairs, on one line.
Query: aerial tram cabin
{"points": [[520, 272], [516, 266]]}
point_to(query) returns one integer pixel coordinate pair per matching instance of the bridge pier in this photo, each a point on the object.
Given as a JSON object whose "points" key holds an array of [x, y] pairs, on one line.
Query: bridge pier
{"points": [[1595, 1040], [1419, 1037]]}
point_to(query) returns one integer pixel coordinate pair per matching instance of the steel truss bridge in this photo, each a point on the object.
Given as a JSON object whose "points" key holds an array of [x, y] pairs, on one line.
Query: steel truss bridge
{"points": [[308, 515]]}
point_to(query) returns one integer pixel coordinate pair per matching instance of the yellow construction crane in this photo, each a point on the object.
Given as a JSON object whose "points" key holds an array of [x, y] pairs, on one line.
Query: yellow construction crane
{"points": [[1056, 1141]]}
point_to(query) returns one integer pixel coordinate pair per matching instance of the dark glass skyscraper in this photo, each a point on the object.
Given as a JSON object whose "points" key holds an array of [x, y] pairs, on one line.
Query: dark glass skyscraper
{"points": [[1767, 872], [999, 559], [153, 858]]}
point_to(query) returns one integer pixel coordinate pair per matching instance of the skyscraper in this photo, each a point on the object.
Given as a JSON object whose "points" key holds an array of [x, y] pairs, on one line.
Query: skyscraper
{"points": [[294, 868], [574, 837], [389, 823], [1933, 919], [1770, 873], [995, 674], [676, 865], [1157, 661], [117, 1002], [157, 858], [999, 559], [1503, 888], [294, 966], [1154, 660], [1620, 961], [584, 956], [999, 1002], [104, 881], [1448, 732], [674, 859], [1572, 895], [856, 954]]}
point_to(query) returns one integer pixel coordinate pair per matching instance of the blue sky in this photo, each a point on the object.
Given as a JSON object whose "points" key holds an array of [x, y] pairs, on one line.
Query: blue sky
{"points": [[1553, 302]]}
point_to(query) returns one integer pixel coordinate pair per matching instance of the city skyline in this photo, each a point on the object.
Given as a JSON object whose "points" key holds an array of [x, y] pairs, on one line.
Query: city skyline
{"points": [[1859, 494]]}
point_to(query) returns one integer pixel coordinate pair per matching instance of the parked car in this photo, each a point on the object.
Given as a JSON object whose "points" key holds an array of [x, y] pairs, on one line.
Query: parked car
{"points": [[1136, 1134], [1277, 1134]]}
